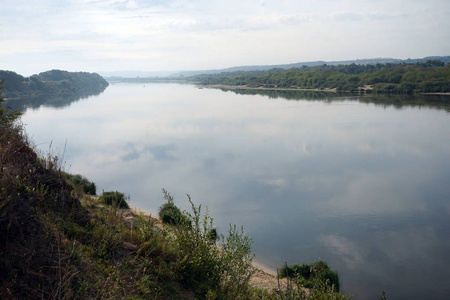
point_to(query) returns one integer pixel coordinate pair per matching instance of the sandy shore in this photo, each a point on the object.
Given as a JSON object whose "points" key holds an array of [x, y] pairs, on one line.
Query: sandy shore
{"points": [[244, 87]]}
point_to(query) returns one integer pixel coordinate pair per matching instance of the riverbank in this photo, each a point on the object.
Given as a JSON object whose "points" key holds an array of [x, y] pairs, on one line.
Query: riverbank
{"points": [[260, 88], [292, 89], [263, 276]]}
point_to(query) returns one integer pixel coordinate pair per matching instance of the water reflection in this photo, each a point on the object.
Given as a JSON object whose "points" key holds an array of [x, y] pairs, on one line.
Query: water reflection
{"points": [[52, 100], [397, 101], [158, 152], [364, 187]]}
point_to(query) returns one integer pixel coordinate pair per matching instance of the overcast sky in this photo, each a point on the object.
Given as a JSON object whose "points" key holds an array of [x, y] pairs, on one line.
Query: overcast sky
{"points": [[156, 35]]}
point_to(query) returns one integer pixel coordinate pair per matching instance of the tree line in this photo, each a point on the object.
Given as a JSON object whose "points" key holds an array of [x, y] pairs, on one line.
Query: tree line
{"points": [[432, 76]]}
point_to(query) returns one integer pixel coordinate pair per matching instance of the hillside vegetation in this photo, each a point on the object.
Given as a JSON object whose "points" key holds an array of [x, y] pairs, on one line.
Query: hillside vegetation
{"points": [[428, 77], [54, 82], [57, 242], [366, 61]]}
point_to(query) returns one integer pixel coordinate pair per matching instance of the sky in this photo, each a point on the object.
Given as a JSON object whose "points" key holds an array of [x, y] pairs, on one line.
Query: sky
{"points": [[173, 35]]}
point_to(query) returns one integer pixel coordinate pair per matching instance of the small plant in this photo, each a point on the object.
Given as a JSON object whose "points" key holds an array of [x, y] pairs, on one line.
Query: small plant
{"points": [[169, 213], [116, 199]]}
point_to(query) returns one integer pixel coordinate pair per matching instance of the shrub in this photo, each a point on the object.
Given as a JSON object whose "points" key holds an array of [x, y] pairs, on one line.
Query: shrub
{"points": [[307, 275], [212, 270], [79, 180], [212, 234], [169, 213], [114, 198]]}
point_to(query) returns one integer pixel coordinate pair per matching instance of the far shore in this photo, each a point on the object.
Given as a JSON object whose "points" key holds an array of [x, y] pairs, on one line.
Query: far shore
{"points": [[244, 87], [326, 90]]}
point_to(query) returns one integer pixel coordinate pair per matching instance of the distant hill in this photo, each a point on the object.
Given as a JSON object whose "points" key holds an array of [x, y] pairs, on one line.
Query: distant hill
{"points": [[54, 82], [370, 61]]}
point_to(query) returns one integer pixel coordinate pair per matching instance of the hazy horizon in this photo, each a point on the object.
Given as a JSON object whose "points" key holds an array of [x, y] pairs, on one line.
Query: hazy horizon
{"points": [[165, 73], [178, 35]]}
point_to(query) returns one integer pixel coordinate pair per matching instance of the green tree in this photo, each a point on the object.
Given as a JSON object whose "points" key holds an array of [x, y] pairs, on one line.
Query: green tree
{"points": [[7, 117]]}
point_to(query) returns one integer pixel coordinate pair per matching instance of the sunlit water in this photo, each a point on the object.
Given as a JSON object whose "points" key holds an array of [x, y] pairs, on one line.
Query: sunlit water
{"points": [[365, 187]]}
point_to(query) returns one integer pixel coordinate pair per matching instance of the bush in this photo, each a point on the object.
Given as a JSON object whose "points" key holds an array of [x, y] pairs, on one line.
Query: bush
{"points": [[169, 213], [307, 275], [79, 180], [114, 198]]}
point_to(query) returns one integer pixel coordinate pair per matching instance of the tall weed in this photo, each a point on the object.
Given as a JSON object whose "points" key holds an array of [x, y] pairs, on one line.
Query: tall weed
{"points": [[213, 270]]}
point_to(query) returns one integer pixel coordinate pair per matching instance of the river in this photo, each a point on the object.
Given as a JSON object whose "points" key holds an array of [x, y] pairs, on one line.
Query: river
{"points": [[360, 182]]}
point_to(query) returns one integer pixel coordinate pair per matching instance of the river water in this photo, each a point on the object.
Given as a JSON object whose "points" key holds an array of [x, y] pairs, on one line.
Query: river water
{"points": [[360, 182]]}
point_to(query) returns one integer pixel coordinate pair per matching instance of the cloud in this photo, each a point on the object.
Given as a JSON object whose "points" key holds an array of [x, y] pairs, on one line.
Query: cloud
{"points": [[383, 16], [274, 182], [345, 16], [183, 34]]}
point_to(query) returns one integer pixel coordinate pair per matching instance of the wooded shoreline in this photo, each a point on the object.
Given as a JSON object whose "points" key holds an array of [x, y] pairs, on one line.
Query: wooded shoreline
{"points": [[326, 90]]}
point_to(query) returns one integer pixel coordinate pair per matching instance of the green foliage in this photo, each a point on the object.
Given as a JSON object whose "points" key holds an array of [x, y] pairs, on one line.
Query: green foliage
{"points": [[212, 270], [202, 262], [431, 76], [169, 213], [237, 260], [79, 180], [115, 199], [51, 82], [212, 234], [307, 275], [317, 276]]}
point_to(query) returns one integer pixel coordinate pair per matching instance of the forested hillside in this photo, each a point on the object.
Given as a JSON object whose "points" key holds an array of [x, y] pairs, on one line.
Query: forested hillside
{"points": [[428, 77], [51, 83], [368, 61]]}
